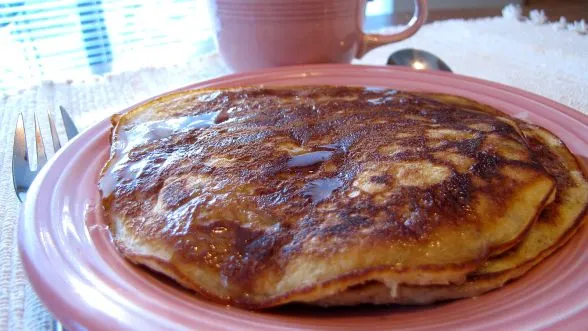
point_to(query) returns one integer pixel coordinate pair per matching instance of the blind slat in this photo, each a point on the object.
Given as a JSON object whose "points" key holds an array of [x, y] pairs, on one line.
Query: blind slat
{"points": [[67, 5]]}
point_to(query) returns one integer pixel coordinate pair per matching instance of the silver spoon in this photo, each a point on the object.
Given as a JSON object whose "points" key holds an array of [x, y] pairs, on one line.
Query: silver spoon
{"points": [[417, 59]]}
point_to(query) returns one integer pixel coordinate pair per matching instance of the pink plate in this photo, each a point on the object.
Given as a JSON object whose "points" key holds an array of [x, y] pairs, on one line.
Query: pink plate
{"points": [[72, 264]]}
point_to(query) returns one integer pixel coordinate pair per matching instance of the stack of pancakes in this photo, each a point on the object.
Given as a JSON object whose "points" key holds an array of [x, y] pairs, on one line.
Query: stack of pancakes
{"points": [[260, 197]]}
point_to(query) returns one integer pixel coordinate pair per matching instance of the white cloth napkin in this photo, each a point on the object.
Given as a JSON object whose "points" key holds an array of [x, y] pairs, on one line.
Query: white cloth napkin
{"points": [[541, 58]]}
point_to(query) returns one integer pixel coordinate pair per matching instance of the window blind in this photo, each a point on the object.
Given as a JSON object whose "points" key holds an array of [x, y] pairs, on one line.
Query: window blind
{"points": [[58, 39]]}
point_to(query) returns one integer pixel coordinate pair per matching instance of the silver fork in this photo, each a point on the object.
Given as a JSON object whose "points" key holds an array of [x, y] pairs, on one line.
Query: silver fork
{"points": [[22, 174]]}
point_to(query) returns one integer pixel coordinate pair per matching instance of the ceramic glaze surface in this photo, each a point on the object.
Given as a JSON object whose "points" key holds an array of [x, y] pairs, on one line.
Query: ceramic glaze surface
{"points": [[73, 265], [254, 34]]}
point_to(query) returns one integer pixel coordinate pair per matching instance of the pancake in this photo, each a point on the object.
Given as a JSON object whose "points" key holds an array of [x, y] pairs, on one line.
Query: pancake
{"points": [[259, 197], [558, 222]]}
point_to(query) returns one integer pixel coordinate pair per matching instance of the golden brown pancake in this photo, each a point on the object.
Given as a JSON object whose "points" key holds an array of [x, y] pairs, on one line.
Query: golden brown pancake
{"points": [[259, 197], [558, 222]]}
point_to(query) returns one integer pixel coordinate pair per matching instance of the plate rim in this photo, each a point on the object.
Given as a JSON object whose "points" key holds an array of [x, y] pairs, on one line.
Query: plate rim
{"points": [[44, 290]]}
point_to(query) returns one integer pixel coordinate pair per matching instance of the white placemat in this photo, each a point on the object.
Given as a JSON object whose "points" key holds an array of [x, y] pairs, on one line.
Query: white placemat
{"points": [[546, 59]]}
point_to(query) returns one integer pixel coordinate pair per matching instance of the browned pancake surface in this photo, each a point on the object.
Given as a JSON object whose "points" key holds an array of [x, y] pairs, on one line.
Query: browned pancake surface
{"points": [[558, 222], [264, 196]]}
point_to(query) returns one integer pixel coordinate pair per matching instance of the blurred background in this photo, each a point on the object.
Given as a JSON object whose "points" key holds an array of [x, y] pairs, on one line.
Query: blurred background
{"points": [[72, 39]]}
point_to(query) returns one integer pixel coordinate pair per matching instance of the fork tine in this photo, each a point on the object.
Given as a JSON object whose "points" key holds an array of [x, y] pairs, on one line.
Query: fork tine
{"points": [[41, 157], [54, 135], [20, 152], [21, 171], [70, 127]]}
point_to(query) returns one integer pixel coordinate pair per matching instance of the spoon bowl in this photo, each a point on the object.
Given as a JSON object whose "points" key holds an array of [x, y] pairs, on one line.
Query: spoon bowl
{"points": [[417, 59]]}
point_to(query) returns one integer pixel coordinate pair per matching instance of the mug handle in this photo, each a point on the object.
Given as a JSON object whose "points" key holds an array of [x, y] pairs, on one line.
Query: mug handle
{"points": [[371, 41]]}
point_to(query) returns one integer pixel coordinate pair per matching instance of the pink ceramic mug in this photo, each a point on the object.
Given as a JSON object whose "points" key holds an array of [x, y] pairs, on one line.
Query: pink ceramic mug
{"points": [[254, 34]]}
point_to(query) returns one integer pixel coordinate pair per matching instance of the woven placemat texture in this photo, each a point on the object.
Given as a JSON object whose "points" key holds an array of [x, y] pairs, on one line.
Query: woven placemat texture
{"points": [[546, 59]]}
